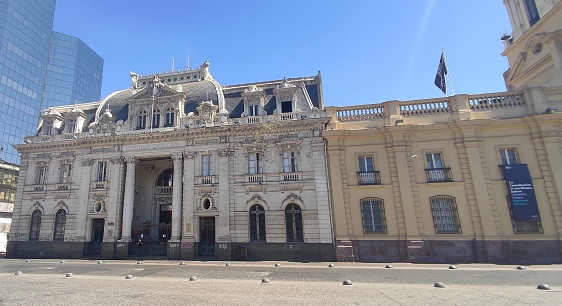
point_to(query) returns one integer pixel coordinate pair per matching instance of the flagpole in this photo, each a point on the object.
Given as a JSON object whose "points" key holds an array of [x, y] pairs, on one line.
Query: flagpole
{"points": [[152, 107], [448, 71]]}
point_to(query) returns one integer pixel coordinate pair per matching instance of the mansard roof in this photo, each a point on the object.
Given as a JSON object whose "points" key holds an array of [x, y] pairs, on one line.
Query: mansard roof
{"points": [[193, 86]]}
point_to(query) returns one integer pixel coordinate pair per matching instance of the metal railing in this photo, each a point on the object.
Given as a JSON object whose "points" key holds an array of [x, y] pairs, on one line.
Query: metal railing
{"points": [[369, 178], [439, 175]]}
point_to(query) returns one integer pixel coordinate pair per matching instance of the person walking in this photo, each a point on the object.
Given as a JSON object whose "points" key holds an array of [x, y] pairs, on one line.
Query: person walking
{"points": [[139, 247]]}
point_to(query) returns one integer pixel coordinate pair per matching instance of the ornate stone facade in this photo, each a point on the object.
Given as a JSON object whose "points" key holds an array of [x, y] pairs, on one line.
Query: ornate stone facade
{"points": [[175, 160]]}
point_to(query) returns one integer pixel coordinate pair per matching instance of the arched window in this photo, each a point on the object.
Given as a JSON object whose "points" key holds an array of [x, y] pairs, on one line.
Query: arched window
{"points": [[293, 223], [35, 225], [141, 120], [445, 215], [257, 223], [170, 120], [156, 117], [60, 224], [166, 178]]}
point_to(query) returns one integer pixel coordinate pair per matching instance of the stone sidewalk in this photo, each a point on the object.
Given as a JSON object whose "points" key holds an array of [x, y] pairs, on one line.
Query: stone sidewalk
{"points": [[45, 282]]}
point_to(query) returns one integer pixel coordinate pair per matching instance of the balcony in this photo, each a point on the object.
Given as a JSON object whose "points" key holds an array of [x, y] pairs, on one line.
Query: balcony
{"points": [[99, 185], [164, 190], [369, 178], [255, 178], [206, 180], [291, 176], [62, 186], [437, 175]]}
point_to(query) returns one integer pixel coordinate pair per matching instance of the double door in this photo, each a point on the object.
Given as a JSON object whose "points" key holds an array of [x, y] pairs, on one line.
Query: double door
{"points": [[206, 246]]}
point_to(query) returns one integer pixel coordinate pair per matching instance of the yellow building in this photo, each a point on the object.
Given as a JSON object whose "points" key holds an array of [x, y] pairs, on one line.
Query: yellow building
{"points": [[466, 178]]}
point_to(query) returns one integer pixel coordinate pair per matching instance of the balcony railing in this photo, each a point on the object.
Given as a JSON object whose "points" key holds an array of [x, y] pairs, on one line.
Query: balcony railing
{"points": [[435, 175], [291, 176], [63, 186], [253, 119], [99, 185], [206, 180], [255, 178], [369, 178], [164, 190]]}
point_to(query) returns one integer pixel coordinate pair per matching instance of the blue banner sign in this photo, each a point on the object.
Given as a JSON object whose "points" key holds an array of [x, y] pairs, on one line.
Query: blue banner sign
{"points": [[521, 193]]}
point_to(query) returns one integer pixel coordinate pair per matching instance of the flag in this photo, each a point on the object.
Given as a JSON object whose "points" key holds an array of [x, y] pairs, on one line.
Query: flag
{"points": [[441, 73]]}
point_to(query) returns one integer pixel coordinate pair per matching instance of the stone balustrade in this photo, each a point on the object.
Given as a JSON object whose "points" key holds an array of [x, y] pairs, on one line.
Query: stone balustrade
{"points": [[433, 110]]}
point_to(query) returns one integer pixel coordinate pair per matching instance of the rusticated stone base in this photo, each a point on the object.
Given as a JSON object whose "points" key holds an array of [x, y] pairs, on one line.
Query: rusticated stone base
{"points": [[457, 251]]}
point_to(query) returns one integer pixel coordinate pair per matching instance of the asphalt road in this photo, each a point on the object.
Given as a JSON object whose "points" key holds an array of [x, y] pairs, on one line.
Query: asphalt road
{"points": [[45, 282]]}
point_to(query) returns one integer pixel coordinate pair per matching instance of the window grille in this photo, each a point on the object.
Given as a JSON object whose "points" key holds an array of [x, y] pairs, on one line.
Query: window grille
{"points": [[293, 223], [524, 227], [35, 225], [257, 223], [374, 218], [445, 215], [60, 224]]}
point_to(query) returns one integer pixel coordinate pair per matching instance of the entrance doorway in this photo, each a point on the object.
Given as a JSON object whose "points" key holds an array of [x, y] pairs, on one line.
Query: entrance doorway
{"points": [[94, 246], [207, 236]]}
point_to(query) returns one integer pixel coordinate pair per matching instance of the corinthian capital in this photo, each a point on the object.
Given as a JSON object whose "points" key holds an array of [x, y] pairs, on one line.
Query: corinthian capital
{"points": [[131, 160], [177, 156]]}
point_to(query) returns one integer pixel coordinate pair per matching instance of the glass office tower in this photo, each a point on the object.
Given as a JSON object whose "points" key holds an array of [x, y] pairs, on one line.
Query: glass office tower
{"points": [[74, 72], [39, 68], [25, 36]]}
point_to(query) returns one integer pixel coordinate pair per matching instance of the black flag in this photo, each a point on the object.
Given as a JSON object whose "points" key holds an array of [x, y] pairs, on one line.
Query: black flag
{"points": [[441, 73]]}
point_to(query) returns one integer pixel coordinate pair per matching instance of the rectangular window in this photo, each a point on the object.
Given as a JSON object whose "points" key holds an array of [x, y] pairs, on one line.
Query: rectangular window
{"points": [[206, 165], [508, 157], [532, 11], [48, 129], [366, 164], [71, 126], [253, 110], [102, 171], [367, 174], [434, 160], [289, 161], [40, 175], [374, 219], [287, 106], [435, 170], [255, 163], [445, 215], [65, 171]]}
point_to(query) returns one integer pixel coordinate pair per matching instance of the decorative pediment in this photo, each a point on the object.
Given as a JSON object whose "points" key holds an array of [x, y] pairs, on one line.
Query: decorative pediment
{"points": [[207, 110], [156, 89], [293, 198]]}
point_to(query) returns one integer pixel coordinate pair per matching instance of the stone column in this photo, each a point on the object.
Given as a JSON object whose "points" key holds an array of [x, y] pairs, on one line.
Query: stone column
{"points": [[177, 196], [223, 252], [129, 201], [84, 199]]}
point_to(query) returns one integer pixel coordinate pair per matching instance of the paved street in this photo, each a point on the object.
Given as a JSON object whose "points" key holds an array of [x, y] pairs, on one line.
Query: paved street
{"points": [[45, 282]]}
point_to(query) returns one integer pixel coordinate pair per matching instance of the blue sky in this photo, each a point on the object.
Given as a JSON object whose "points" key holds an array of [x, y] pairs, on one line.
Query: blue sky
{"points": [[368, 51]]}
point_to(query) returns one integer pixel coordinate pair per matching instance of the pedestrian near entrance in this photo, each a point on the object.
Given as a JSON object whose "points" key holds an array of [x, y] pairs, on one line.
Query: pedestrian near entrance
{"points": [[139, 248]]}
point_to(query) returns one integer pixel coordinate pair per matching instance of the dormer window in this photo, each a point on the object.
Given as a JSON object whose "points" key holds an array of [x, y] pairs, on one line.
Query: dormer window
{"points": [[71, 126], [170, 117], [48, 128], [253, 110], [156, 118], [141, 120], [287, 106]]}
